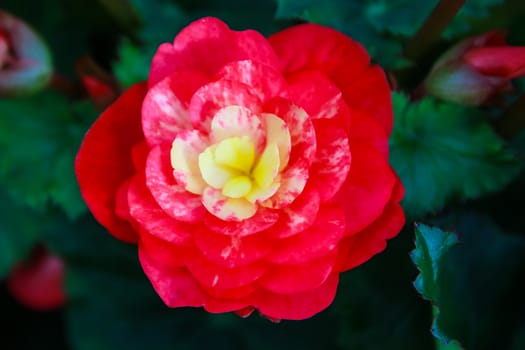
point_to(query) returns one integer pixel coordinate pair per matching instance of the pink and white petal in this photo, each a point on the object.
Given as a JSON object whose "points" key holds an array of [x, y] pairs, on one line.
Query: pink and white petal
{"points": [[318, 240], [265, 80], [371, 93], [113, 135], [175, 286], [314, 92], [228, 209], [299, 215], [263, 219], [367, 130], [237, 121], [184, 156], [298, 306], [302, 133], [367, 189], [277, 132], [212, 97], [291, 279], [165, 107], [358, 248], [212, 275], [207, 45], [146, 212], [316, 47], [231, 251], [292, 183], [174, 200], [332, 160]]}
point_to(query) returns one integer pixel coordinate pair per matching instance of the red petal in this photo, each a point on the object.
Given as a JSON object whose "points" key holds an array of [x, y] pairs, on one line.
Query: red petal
{"points": [[370, 93], [214, 276], [263, 219], [230, 251], [299, 215], [297, 306], [104, 159], [367, 130], [163, 252], [175, 286], [152, 218], [265, 80], [223, 93], [359, 248], [170, 196], [291, 279], [319, 97], [315, 47], [332, 160], [165, 108], [207, 45], [501, 61], [367, 189], [318, 240]]}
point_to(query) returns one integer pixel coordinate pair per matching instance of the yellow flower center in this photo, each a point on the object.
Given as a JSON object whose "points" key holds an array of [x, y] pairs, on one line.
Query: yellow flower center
{"points": [[233, 167]]}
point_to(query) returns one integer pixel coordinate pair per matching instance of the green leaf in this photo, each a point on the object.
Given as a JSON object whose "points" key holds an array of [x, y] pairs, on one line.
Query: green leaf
{"points": [[39, 137], [481, 286], [444, 151], [20, 229], [431, 245]]}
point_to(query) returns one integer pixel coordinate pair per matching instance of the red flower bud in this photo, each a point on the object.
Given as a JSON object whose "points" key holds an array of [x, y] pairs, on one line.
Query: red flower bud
{"points": [[25, 61], [37, 283], [477, 70]]}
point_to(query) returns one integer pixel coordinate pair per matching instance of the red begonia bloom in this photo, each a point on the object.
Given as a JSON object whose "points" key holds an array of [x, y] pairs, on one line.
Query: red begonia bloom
{"points": [[476, 70], [38, 282], [249, 171]]}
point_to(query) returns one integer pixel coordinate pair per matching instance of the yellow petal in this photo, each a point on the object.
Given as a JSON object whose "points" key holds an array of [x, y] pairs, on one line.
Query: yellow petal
{"points": [[214, 174], [231, 209], [267, 167], [237, 187], [277, 132], [236, 152]]}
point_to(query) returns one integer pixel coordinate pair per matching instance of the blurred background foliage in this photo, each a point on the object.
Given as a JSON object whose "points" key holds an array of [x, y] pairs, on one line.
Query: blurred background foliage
{"points": [[464, 187]]}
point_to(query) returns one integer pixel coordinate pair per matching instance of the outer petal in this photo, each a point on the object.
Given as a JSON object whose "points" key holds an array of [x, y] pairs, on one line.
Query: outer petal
{"points": [[314, 92], [152, 218], [215, 276], [165, 109], [318, 240], [297, 306], [230, 251], [265, 80], [369, 92], [342, 60], [367, 189], [290, 279], [501, 61], [263, 219], [163, 252], [357, 249], [106, 150], [332, 160], [174, 200], [367, 130], [299, 215], [210, 98], [207, 45]]}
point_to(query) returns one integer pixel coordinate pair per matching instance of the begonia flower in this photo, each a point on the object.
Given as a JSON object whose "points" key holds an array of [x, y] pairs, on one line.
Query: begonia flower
{"points": [[25, 61], [249, 171], [476, 70]]}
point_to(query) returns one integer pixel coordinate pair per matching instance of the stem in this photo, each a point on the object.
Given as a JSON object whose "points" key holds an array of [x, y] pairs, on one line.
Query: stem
{"points": [[512, 121], [431, 30]]}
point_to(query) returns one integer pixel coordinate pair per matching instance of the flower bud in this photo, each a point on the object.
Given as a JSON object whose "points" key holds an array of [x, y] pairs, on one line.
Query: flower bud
{"points": [[477, 70], [25, 61]]}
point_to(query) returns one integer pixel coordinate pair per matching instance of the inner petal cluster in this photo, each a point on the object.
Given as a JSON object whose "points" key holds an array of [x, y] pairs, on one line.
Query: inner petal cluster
{"points": [[237, 166]]}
